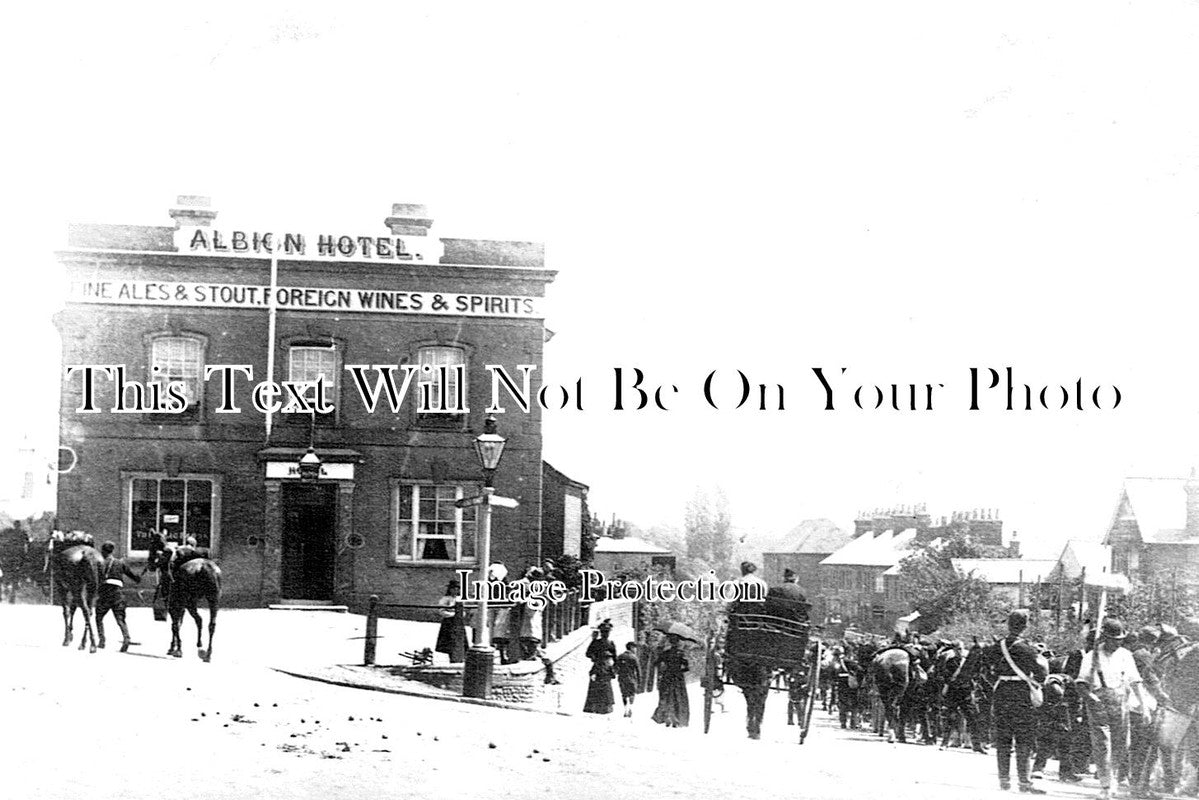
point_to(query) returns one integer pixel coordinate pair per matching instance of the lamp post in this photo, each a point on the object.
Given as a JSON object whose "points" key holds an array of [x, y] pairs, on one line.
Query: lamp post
{"points": [[480, 659]]}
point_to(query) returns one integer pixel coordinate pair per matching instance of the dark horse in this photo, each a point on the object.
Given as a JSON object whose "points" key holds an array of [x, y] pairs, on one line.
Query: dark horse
{"points": [[897, 672], [183, 586], [75, 570], [1179, 668]]}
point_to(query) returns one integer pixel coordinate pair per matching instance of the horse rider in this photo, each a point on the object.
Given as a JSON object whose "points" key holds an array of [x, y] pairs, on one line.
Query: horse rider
{"points": [[112, 574], [1015, 662], [1106, 675]]}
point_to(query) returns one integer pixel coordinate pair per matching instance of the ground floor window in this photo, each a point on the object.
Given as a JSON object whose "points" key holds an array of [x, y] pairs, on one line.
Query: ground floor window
{"points": [[427, 524], [179, 507]]}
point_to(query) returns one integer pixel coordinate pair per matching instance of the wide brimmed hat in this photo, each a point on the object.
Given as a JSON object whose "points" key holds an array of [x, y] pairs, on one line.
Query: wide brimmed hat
{"points": [[1112, 629]]}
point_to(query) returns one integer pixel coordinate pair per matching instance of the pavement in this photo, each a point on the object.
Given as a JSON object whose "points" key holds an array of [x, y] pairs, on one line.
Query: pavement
{"points": [[142, 724]]}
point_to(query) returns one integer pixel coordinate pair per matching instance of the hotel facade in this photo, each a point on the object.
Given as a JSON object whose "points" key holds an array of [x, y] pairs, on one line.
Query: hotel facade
{"points": [[192, 314]]}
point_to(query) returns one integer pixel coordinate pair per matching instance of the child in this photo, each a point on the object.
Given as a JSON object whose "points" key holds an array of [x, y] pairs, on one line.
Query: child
{"points": [[548, 664], [628, 675]]}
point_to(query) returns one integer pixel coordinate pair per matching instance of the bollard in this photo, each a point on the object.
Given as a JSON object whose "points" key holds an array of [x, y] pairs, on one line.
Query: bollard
{"points": [[372, 629]]}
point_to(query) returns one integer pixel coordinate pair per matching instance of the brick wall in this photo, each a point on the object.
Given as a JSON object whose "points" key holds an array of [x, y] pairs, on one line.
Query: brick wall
{"points": [[226, 446]]}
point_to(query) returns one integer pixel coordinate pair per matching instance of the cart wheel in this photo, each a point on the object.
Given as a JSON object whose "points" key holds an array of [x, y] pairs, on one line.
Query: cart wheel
{"points": [[813, 690], [710, 679]]}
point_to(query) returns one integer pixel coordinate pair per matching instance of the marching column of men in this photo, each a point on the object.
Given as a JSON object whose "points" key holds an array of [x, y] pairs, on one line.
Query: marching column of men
{"points": [[1094, 705]]}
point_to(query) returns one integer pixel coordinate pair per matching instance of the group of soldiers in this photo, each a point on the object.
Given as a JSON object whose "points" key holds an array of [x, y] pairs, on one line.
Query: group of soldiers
{"points": [[1093, 705]]}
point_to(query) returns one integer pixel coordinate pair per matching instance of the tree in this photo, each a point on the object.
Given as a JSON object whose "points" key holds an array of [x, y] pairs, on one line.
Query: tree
{"points": [[708, 533], [938, 591], [1159, 598]]}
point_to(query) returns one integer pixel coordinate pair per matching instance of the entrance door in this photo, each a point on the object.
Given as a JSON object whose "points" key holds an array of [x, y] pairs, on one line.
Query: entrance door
{"points": [[309, 531]]}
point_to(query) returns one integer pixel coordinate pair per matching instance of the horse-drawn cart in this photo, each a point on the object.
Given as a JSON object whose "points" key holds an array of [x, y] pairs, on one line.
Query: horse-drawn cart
{"points": [[766, 646]]}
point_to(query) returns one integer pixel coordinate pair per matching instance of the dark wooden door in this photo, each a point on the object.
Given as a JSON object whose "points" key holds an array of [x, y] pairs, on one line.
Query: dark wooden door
{"points": [[309, 536]]}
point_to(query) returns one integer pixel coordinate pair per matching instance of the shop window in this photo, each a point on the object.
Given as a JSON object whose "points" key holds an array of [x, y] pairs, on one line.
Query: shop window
{"points": [[179, 360], [442, 380], [178, 507], [305, 364], [429, 527]]}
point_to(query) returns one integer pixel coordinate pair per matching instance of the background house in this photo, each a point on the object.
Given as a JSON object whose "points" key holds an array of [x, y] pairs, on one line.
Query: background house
{"points": [[1154, 531], [629, 555], [804, 547], [1012, 580]]}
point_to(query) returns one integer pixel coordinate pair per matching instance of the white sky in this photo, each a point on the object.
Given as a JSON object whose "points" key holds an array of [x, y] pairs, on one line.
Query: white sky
{"points": [[904, 190]]}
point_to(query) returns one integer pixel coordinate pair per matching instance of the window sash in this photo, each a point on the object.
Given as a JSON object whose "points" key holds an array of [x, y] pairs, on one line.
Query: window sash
{"points": [[434, 357], [306, 363], [190, 501], [179, 359], [425, 514]]}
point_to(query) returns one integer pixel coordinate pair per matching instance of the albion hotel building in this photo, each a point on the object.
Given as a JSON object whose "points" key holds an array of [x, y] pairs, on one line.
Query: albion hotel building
{"points": [[167, 302]]}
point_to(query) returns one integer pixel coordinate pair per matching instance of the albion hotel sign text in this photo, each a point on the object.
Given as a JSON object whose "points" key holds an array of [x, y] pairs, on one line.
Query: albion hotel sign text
{"points": [[394, 249]]}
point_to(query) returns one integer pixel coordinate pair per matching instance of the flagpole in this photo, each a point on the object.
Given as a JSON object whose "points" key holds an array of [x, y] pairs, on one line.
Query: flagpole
{"points": [[270, 333]]}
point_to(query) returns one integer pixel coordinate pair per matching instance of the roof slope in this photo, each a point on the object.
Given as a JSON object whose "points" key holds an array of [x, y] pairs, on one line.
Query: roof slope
{"points": [[1078, 554], [629, 544], [1005, 570], [885, 550], [814, 536], [1159, 506]]}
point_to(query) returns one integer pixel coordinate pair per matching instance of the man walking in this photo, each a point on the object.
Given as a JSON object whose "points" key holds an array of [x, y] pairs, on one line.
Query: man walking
{"points": [[1143, 734], [1015, 663], [1106, 675], [112, 575]]}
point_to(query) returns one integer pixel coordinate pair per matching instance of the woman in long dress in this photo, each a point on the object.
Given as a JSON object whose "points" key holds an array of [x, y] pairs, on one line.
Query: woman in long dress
{"points": [[674, 710], [451, 636], [599, 690]]}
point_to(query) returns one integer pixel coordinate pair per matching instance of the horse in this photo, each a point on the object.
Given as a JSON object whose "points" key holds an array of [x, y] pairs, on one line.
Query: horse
{"points": [[1178, 667], [184, 586], [754, 680], [896, 672], [75, 570]]}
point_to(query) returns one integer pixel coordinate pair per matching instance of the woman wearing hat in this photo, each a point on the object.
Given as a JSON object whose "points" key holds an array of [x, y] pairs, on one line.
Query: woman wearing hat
{"points": [[1107, 674], [674, 709], [602, 652]]}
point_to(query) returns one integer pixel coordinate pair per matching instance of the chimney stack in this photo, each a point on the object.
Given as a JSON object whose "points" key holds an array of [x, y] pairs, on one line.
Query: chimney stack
{"points": [[408, 219], [192, 210]]}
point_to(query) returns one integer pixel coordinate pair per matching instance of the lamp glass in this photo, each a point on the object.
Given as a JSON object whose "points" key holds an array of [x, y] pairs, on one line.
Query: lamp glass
{"points": [[310, 465], [490, 448]]}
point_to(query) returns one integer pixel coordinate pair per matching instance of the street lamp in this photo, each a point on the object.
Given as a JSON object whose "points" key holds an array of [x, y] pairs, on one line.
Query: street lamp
{"points": [[489, 446], [310, 466], [480, 659], [310, 462]]}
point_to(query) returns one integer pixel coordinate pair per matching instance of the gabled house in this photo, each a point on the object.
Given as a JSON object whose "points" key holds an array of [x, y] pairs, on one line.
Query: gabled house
{"points": [[1154, 531]]}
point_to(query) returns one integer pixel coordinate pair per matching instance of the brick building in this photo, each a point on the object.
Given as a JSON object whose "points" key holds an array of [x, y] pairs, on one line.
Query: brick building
{"points": [[861, 583], [1154, 531], [806, 545], [563, 513], [167, 302]]}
